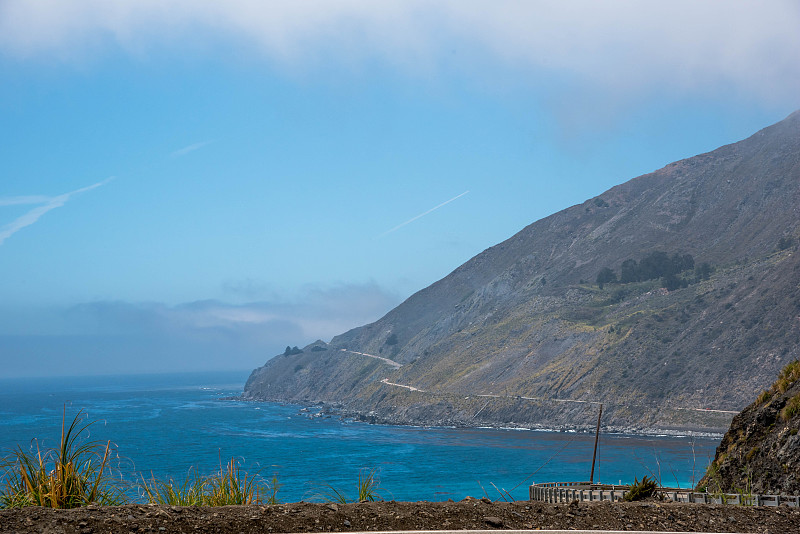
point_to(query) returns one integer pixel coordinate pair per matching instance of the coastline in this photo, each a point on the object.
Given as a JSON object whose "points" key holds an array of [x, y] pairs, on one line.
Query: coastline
{"points": [[338, 410]]}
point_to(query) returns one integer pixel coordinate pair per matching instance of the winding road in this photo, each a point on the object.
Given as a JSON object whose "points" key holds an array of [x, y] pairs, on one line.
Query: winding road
{"points": [[397, 365]]}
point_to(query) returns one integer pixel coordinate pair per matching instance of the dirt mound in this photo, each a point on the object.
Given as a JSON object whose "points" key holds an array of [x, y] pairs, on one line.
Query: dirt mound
{"points": [[385, 516]]}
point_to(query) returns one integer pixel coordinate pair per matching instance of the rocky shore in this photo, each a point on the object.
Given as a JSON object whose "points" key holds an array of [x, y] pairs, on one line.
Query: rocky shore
{"points": [[323, 410], [374, 418]]}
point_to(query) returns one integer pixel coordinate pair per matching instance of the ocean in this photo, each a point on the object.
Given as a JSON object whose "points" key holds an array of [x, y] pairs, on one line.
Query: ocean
{"points": [[169, 425]]}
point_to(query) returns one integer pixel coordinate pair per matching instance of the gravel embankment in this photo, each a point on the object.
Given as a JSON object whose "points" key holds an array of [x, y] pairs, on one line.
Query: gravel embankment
{"points": [[383, 516]]}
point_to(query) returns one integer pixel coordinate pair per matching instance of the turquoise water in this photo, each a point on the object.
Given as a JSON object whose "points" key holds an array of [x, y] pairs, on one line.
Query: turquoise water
{"points": [[168, 424]]}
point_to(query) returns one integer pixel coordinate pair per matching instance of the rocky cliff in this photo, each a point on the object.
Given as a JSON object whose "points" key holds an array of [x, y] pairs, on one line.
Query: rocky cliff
{"points": [[760, 453], [522, 335]]}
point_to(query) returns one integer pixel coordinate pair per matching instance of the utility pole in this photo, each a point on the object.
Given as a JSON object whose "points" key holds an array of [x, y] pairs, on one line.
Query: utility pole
{"points": [[596, 437]]}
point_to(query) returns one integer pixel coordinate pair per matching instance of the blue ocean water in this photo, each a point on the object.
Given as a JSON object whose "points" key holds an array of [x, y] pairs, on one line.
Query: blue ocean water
{"points": [[169, 424]]}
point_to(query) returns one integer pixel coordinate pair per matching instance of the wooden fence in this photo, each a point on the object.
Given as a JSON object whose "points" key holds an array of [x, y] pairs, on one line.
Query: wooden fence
{"points": [[564, 492]]}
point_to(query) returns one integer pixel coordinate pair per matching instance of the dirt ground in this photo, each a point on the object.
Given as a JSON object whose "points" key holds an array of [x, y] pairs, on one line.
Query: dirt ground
{"points": [[382, 516]]}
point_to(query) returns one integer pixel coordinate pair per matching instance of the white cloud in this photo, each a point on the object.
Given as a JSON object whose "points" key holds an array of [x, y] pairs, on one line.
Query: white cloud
{"points": [[620, 45], [47, 204]]}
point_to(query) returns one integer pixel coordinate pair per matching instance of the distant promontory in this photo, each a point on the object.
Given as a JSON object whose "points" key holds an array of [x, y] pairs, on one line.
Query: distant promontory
{"points": [[673, 299]]}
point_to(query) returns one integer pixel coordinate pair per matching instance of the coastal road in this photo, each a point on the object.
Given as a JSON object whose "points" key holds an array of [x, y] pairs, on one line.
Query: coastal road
{"points": [[410, 388], [535, 398], [707, 410], [398, 365], [549, 399], [387, 361]]}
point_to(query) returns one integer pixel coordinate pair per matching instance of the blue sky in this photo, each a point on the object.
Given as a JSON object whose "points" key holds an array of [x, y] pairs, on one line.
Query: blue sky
{"points": [[197, 184]]}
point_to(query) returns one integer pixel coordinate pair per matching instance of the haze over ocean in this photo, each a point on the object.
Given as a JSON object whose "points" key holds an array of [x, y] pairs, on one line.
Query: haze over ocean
{"points": [[168, 424]]}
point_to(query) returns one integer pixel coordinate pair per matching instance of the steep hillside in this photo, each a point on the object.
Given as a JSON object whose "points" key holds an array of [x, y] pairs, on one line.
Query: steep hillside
{"points": [[525, 318], [760, 453]]}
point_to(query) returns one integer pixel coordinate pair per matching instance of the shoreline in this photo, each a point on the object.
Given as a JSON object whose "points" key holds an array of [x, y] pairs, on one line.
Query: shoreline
{"points": [[328, 409]]}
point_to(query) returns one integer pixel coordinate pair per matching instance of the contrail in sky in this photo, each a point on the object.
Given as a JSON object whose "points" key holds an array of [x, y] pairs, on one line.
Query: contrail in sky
{"points": [[423, 214], [191, 148], [47, 204]]}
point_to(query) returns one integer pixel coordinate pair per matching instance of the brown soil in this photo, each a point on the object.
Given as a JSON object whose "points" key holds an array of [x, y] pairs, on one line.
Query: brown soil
{"points": [[383, 516]]}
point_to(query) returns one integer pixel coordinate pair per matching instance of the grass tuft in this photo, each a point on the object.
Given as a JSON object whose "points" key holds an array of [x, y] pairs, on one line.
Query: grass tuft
{"points": [[792, 408], [368, 488], [789, 375], [230, 486], [74, 474], [641, 490], [369, 485], [187, 493]]}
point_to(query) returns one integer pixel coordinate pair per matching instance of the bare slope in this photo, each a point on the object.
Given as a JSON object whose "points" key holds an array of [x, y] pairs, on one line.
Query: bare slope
{"points": [[524, 318]]}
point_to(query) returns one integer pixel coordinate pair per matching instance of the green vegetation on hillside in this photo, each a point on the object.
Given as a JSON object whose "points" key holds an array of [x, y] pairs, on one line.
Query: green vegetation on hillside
{"points": [[762, 444], [672, 270]]}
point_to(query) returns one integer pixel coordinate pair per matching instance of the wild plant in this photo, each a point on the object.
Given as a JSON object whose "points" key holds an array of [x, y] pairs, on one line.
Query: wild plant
{"points": [[714, 479], [74, 474], [230, 486], [788, 376], [190, 492], [328, 493], [792, 408], [369, 485], [504, 494], [641, 490], [746, 493], [368, 488]]}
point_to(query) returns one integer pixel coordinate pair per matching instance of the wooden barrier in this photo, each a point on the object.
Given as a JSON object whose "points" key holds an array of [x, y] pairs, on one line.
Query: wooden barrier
{"points": [[565, 492]]}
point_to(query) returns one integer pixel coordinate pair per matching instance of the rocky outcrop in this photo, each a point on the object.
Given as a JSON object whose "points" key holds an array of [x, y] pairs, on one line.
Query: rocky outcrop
{"points": [[760, 453], [521, 333]]}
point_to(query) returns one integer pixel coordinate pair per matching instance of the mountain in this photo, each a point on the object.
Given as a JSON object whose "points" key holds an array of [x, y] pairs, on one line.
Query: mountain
{"points": [[522, 335], [760, 453]]}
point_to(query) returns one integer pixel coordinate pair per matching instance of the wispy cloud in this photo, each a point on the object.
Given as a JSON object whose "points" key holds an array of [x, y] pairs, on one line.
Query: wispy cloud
{"points": [[412, 219], [45, 204], [191, 148], [24, 200]]}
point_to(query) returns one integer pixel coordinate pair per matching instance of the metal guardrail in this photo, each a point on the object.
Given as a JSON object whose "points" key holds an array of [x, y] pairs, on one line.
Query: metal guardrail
{"points": [[741, 499], [565, 492]]}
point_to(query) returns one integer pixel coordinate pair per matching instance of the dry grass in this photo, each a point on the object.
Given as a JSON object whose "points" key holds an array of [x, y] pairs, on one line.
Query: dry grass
{"points": [[792, 408], [789, 375]]}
